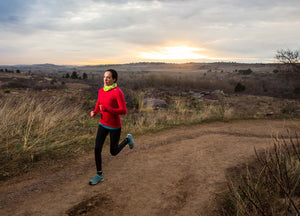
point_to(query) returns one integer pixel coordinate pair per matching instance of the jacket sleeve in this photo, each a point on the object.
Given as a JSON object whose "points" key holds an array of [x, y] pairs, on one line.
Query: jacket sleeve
{"points": [[122, 109], [97, 108]]}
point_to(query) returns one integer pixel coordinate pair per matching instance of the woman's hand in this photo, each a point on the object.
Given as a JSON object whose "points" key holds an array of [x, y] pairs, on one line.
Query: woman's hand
{"points": [[92, 113]]}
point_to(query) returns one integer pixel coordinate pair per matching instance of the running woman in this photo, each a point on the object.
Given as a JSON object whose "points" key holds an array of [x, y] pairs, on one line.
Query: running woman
{"points": [[110, 104]]}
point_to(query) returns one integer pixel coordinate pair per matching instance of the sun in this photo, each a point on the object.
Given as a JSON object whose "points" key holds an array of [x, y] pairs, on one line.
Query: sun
{"points": [[173, 53]]}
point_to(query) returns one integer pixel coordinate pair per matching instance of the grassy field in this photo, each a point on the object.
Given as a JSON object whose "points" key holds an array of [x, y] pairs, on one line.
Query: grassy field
{"points": [[41, 115], [45, 120]]}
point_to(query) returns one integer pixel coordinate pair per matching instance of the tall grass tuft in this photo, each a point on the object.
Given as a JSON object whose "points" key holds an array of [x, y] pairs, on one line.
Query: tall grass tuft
{"points": [[271, 186], [32, 125]]}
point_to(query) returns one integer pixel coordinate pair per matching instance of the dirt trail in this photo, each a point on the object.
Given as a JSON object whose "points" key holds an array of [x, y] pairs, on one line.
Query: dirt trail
{"points": [[173, 172]]}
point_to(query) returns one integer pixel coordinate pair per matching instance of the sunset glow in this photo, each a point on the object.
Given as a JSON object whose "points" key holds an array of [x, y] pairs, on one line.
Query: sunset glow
{"points": [[84, 32], [173, 53]]}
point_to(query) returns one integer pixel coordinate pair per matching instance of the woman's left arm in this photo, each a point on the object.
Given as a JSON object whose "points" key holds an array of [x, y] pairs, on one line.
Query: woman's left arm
{"points": [[121, 110]]}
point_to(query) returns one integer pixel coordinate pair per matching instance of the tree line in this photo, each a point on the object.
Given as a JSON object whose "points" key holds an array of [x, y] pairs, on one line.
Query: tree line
{"points": [[74, 75]]}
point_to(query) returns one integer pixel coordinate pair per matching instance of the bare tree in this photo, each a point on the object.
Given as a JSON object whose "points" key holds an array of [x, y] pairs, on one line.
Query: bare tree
{"points": [[289, 57]]}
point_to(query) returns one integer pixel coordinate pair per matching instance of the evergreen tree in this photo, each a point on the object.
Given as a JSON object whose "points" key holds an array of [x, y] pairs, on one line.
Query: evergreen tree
{"points": [[84, 76], [74, 75]]}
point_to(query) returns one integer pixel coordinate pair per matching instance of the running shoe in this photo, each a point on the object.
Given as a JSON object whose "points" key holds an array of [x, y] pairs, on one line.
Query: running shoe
{"points": [[130, 141], [98, 178]]}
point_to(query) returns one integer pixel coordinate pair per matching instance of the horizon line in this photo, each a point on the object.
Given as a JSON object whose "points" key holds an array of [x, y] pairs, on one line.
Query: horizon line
{"points": [[142, 62]]}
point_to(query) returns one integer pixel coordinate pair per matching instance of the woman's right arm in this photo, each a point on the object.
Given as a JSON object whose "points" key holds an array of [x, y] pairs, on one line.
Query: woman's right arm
{"points": [[97, 107]]}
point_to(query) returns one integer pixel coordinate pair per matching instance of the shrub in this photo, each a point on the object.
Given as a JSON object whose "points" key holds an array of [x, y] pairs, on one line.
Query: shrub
{"points": [[288, 109], [53, 81], [239, 88], [245, 72], [270, 185], [297, 91]]}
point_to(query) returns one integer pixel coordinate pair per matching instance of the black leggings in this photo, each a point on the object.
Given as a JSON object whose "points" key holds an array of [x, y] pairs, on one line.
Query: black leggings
{"points": [[115, 147]]}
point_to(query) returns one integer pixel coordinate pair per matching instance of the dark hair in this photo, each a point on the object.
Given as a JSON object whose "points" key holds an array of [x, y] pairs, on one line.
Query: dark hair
{"points": [[114, 74]]}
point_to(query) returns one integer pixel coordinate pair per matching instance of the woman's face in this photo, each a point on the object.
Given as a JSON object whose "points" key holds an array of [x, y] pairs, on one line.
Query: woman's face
{"points": [[108, 80]]}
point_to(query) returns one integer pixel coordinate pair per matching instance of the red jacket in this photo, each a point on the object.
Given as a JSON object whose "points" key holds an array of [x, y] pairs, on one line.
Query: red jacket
{"points": [[113, 105]]}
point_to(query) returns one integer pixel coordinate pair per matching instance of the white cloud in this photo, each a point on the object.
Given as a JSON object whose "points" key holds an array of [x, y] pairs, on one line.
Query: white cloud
{"points": [[73, 29]]}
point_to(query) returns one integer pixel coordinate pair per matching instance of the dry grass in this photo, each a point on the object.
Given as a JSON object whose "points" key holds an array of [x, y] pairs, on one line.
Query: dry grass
{"points": [[270, 185], [56, 122], [33, 125], [181, 111]]}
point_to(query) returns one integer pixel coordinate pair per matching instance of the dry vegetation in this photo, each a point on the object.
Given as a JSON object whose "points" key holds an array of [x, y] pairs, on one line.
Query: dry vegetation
{"points": [[45, 120], [270, 185], [36, 126]]}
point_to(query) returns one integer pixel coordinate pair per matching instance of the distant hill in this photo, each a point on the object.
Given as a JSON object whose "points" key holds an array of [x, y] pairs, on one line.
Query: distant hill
{"points": [[208, 68]]}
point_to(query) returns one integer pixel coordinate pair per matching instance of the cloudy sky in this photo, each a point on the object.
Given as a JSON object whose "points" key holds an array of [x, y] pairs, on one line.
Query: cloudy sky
{"points": [[79, 32]]}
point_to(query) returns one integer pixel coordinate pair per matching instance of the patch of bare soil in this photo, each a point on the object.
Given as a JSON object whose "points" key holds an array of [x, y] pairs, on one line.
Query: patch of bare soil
{"points": [[174, 172]]}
